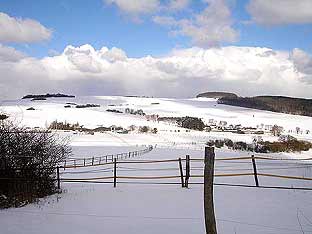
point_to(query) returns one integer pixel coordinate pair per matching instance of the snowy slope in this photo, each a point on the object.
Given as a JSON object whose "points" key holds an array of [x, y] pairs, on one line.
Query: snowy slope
{"points": [[53, 109], [152, 209]]}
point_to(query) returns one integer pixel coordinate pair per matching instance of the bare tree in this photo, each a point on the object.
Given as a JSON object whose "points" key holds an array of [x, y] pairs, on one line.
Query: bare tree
{"points": [[28, 161]]}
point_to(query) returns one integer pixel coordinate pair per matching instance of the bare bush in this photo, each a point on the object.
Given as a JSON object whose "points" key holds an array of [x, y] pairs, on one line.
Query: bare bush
{"points": [[27, 163]]}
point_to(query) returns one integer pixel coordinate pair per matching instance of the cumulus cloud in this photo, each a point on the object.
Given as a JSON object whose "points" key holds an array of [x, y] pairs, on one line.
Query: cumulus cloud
{"points": [[81, 57], [177, 5], [22, 30], [9, 54], [182, 73], [279, 12], [135, 7], [210, 27], [302, 60], [303, 63], [113, 55], [139, 7]]}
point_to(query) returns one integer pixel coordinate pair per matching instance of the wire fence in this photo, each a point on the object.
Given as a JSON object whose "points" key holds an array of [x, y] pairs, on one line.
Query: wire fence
{"points": [[23, 184], [188, 171], [121, 169], [130, 171], [102, 160]]}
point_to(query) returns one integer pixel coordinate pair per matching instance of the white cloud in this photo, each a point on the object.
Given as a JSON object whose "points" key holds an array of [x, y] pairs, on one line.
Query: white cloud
{"points": [[165, 20], [113, 55], [135, 7], [208, 28], [86, 71], [303, 63], [82, 58], [9, 54], [22, 30], [302, 60], [278, 12], [176, 5]]}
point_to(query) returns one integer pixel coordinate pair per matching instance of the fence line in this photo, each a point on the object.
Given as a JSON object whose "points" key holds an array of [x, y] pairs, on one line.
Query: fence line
{"points": [[192, 183], [113, 168], [102, 160], [256, 157], [285, 177], [177, 169]]}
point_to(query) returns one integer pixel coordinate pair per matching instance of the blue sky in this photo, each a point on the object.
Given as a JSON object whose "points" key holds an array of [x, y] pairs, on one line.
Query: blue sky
{"points": [[101, 47], [78, 22]]}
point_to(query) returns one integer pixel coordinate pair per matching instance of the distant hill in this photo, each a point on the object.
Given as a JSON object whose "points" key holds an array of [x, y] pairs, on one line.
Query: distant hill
{"points": [[217, 95], [48, 95], [288, 105]]}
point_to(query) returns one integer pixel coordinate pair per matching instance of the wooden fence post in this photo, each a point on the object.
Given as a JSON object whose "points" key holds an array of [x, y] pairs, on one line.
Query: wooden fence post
{"points": [[115, 172], [84, 162], [181, 172], [64, 165], [255, 170], [92, 161], [210, 220], [58, 178], [187, 169]]}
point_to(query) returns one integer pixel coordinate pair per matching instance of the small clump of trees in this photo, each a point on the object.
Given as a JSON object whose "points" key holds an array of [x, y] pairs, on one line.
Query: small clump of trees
{"points": [[64, 126], [114, 111], [146, 129], [28, 161], [88, 105], [188, 122], [192, 123], [277, 130], [284, 144]]}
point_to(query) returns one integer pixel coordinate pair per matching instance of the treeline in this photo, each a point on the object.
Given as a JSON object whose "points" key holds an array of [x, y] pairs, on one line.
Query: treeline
{"points": [[288, 105], [88, 105], [217, 95], [48, 95]]}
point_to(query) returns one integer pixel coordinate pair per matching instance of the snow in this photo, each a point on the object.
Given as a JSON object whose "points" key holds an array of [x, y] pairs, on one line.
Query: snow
{"points": [[205, 108], [140, 208], [153, 208]]}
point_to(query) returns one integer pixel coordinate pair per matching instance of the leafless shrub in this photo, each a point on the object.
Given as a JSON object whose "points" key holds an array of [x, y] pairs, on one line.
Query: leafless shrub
{"points": [[27, 163]]}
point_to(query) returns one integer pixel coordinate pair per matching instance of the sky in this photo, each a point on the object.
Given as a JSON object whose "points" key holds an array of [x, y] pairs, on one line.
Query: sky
{"points": [[164, 48]]}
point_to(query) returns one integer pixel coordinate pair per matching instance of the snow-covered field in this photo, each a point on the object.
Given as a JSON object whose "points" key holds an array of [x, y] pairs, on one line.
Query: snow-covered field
{"points": [[205, 108], [154, 208]]}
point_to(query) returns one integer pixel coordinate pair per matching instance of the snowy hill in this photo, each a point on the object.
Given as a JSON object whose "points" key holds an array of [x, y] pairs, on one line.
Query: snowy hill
{"points": [[206, 108], [91, 207]]}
